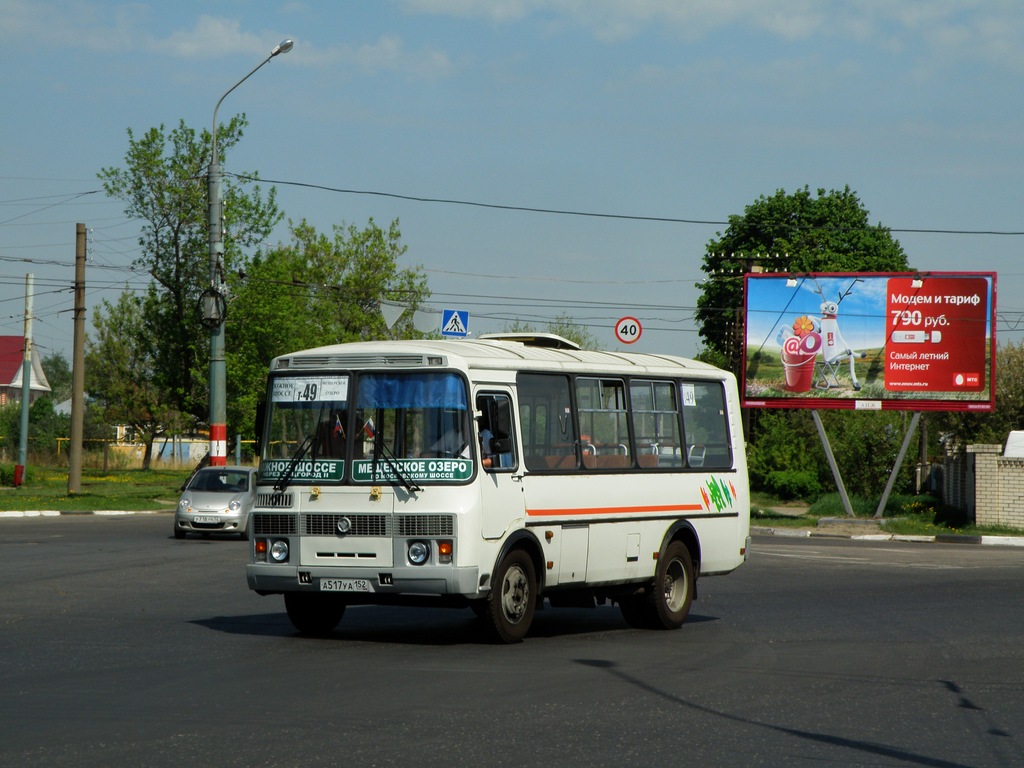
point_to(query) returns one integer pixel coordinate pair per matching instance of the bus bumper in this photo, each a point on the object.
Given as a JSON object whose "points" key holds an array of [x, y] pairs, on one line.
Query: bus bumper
{"points": [[364, 584]]}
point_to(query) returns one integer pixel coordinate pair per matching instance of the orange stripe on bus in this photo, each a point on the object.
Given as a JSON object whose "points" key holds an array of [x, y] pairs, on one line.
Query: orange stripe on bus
{"points": [[614, 510]]}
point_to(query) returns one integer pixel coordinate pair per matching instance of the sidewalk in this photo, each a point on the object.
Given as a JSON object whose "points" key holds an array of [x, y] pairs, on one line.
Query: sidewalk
{"points": [[869, 529]]}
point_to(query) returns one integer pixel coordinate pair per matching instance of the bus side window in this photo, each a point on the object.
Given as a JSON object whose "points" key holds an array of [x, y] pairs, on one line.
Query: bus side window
{"points": [[656, 423], [705, 426], [548, 429], [497, 438]]}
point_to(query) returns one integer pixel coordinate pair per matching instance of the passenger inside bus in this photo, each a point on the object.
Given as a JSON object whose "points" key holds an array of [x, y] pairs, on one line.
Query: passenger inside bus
{"points": [[330, 439], [496, 450]]}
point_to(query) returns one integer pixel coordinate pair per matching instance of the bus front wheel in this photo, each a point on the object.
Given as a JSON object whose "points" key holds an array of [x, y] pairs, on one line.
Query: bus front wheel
{"points": [[312, 613], [513, 598]]}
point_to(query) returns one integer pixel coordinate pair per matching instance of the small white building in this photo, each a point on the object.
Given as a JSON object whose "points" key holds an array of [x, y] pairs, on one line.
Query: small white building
{"points": [[12, 355]]}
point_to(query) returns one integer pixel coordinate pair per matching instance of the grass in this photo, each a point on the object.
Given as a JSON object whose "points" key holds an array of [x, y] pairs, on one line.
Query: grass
{"points": [[904, 515], [124, 490], [136, 490]]}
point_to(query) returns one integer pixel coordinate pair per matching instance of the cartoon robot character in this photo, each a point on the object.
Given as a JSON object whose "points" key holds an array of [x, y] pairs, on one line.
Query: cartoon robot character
{"points": [[833, 346]]}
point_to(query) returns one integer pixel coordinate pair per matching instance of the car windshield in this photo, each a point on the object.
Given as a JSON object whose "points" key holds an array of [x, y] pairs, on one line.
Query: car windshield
{"points": [[223, 480]]}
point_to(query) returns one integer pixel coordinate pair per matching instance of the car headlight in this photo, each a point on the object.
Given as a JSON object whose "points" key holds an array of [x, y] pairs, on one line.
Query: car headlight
{"points": [[184, 504], [279, 551], [235, 505], [419, 551]]}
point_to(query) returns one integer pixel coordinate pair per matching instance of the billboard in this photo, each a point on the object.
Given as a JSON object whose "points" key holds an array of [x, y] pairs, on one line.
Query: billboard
{"points": [[870, 341]]}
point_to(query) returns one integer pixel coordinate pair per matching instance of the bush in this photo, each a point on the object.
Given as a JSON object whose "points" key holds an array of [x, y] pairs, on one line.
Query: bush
{"points": [[7, 473], [793, 484]]}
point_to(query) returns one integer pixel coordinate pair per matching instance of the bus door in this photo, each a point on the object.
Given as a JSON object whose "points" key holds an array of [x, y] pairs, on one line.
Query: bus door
{"points": [[501, 488]]}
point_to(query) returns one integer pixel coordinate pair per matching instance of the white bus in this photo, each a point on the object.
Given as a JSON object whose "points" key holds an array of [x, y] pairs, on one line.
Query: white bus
{"points": [[496, 473]]}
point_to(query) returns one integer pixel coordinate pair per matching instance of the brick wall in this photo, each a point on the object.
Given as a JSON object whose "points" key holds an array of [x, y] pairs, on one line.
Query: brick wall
{"points": [[987, 482]]}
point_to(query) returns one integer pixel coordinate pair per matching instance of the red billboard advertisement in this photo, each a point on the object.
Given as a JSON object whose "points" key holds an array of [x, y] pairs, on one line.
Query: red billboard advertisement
{"points": [[871, 341]]}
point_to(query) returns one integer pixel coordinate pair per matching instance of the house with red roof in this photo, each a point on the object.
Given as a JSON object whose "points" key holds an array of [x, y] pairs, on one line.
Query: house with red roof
{"points": [[12, 355]]}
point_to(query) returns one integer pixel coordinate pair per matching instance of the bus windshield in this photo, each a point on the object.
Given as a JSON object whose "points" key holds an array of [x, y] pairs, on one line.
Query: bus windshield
{"points": [[394, 427]]}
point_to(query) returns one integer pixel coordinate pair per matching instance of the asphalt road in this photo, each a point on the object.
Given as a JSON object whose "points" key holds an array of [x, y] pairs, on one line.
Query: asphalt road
{"points": [[122, 647]]}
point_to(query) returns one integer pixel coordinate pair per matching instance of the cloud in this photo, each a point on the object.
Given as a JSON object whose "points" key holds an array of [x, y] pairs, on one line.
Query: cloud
{"points": [[386, 54], [988, 32], [212, 36]]}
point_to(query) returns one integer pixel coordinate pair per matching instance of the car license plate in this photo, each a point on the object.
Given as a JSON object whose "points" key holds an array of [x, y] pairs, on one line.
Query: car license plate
{"points": [[205, 519], [345, 585]]}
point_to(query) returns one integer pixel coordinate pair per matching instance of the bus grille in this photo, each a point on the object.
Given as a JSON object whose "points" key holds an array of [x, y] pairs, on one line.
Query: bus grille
{"points": [[273, 524], [425, 525], [380, 525], [274, 500], [358, 361], [361, 525]]}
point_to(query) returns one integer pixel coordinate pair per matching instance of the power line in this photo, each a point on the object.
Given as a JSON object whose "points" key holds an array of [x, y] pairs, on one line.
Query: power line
{"points": [[593, 214]]}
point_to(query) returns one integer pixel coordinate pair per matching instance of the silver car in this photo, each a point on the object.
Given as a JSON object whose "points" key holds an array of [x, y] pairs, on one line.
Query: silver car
{"points": [[216, 500]]}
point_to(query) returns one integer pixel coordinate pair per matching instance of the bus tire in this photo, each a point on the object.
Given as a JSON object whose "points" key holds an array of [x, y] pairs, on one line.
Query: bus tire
{"points": [[513, 597], [313, 614], [635, 611], [670, 599]]}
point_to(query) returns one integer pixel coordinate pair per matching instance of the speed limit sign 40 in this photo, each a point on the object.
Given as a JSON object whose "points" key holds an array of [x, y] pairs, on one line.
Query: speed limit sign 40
{"points": [[628, 330]]}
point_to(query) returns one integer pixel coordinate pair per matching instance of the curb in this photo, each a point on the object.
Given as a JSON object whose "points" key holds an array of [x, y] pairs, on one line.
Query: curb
{"points": [[103, 512], [942, 538]]}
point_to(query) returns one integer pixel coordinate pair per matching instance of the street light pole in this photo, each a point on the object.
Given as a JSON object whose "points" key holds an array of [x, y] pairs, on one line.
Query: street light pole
{"points": [[214, 298]]}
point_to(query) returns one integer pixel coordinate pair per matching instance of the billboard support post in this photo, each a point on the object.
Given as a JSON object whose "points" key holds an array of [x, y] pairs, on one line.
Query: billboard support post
{"points": [[832, 463], [879, 513]]}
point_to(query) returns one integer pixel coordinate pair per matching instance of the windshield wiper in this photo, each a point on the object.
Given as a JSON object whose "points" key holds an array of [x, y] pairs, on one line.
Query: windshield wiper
{"points": [[286, 476], [381, 449], [310, 442]]}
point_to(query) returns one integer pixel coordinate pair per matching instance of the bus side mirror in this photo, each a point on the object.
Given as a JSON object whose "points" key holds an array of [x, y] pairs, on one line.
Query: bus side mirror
{"points": [[501, 417], [261, 412]]}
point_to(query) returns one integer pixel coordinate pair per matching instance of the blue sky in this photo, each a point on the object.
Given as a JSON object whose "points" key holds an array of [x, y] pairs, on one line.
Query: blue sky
{"points": [[660, 116]]}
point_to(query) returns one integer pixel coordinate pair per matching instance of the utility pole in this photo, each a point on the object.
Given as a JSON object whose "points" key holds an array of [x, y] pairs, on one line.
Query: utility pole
{"points": [[78, 367], [214, 297], [26, 386]]}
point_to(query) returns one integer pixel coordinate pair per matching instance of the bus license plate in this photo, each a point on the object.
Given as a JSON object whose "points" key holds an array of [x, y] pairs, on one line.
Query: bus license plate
{"points": [[345, 585]]}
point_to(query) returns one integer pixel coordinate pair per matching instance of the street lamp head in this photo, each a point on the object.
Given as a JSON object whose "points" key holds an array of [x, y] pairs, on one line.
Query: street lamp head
{"points": [[283, 47]]}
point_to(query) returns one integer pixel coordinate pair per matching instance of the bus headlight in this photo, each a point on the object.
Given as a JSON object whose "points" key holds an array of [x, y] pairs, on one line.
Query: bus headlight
{"points": [[419, 552], [279, 551]]}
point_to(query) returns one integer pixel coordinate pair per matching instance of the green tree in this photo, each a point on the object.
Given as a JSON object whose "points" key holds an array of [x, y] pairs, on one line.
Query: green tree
{"points": [[121, 370], [958, 429], [797, 232], [163, 185], [58, 374], [315, 291]]}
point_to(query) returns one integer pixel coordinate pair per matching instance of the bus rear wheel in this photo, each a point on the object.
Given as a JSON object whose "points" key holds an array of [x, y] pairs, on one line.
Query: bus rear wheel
{"points": [[313, 614], [513, 598], [667, 603], [673, 588]]}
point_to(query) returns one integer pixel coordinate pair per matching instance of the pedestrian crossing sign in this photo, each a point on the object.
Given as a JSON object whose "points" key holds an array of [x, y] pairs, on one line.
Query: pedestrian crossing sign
{"points": [[455, 322]]}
